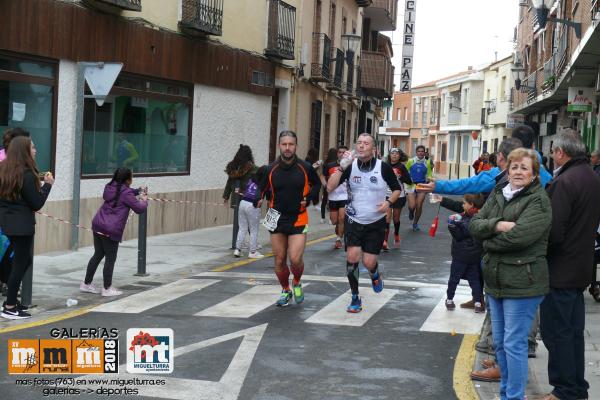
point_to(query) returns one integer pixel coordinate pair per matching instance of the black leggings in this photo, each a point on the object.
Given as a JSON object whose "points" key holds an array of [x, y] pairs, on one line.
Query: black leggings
{"points": [[23, 258], [103, 247], [324, 200]]}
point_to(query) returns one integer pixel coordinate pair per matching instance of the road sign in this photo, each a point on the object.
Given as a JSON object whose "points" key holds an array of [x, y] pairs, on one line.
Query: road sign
{"points": [[100, 78]]}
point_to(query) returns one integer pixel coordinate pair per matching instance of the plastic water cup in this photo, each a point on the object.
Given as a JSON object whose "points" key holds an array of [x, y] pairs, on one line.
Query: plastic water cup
{"points": [[71, 302]]}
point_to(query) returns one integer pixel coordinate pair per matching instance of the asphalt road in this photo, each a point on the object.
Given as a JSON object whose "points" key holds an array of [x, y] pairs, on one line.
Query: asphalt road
{"points": [[241, 346]]}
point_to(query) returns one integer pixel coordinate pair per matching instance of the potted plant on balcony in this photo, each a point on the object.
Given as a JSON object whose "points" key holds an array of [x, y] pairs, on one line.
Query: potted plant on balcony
{"points": [[549, 83]]}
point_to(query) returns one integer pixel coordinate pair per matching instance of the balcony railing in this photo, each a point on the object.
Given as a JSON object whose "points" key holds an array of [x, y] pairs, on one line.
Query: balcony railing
{"points": [[530, 84], [377, 74], [321, 58], [453, 117], [338, 70], [595, 9], [562, 53], [282, 29], [132, 5], [204, 16]]}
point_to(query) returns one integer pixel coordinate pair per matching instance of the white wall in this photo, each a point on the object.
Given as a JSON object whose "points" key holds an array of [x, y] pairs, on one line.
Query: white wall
{"points": [[222, 119]]}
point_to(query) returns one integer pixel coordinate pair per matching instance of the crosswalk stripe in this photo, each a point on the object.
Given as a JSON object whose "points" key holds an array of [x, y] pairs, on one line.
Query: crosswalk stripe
{"points": [[146, 300], [461, 320], [245, 304], [317, 278], [335, 312]]}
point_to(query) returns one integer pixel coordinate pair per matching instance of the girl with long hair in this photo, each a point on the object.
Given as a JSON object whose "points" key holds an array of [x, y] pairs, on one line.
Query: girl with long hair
{"points": [[21, 195], [108, 225]]}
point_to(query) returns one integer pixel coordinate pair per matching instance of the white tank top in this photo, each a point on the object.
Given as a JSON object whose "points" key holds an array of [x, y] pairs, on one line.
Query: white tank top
{"points": [[339, 194], [366, 190]]}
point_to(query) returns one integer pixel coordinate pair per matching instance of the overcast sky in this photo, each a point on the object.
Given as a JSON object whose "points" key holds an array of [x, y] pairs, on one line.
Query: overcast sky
{"points": [[451, 35]]}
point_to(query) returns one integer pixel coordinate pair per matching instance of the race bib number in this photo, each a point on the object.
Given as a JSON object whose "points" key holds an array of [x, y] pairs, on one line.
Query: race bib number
{"points": [[271, 219]]}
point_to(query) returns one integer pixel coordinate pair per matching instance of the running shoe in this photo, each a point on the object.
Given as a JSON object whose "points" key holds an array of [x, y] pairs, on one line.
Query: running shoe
{"points": [[377, 282], [385, 246], [411, 214], [396, 240], [356, 305], [284, 299], [14, 313], [338, 243], [298, 293], [416, 228], [19, 306], [110, 292], [87, 288]]}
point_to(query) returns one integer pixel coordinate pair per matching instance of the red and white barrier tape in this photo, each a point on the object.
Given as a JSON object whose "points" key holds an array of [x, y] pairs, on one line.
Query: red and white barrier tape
{"points": [[64, 221], [162, 200]]}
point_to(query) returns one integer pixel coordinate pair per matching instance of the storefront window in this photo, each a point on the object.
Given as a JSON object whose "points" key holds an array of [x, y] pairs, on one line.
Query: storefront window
{"points": [[139, 129], [26, 100]]}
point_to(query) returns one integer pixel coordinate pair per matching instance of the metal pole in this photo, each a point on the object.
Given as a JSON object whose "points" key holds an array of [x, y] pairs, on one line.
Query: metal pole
{"points": [[142, 235], [77, 155], [236, 226]]}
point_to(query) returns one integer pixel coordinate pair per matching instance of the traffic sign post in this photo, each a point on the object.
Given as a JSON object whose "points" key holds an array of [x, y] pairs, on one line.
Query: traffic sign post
{"points": [[100, 78]]}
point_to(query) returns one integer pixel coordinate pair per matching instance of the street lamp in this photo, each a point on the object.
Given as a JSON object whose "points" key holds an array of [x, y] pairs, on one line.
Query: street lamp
{"points": [[516, 71], [542, 7], [350, 45]]}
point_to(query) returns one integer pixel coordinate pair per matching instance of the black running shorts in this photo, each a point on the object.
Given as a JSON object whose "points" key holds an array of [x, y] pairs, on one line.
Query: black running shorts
{"points": [[401, 202], [335, 205], [368, 237]]}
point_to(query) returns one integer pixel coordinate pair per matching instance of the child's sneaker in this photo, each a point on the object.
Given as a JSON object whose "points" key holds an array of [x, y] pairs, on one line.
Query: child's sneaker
{"points": [[110, 292], [255, 254], [479, 308], [83, 287], [450, 305]]}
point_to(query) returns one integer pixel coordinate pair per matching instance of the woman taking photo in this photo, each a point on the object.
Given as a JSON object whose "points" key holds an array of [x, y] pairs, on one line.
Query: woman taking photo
{"points": [[21, 194], [513, 225]]}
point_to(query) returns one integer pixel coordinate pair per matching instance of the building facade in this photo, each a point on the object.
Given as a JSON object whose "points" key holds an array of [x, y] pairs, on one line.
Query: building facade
{"points": [[194, 80], [557, 67]]}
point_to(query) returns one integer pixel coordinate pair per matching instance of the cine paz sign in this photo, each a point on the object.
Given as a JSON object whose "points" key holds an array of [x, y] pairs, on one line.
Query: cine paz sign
{"points": [[408, 45]]}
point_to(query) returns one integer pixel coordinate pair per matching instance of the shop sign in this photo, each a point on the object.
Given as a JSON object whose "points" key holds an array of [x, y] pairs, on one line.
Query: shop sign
{"points": [[514, 120], [580, 99]]}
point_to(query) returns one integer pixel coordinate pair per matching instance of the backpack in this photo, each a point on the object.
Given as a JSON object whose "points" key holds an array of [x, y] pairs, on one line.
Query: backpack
{"points": [[251, 191]]}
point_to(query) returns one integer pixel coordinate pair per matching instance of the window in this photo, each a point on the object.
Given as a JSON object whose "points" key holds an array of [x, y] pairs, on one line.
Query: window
{"points": [[495, 145], [444, 151], [444, 104], [143, 124], [451, 147], [465, 101], [464, 153], [485, 146], [27, 100], [341, 133], [405, 114]]}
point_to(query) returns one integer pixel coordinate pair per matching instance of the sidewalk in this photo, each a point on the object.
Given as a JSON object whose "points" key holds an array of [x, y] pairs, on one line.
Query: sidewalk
{"points": [[538, 374], [56, 276]]}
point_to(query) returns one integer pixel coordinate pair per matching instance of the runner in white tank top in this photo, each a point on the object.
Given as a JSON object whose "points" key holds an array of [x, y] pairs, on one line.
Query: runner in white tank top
{"points": [[367, 179]]}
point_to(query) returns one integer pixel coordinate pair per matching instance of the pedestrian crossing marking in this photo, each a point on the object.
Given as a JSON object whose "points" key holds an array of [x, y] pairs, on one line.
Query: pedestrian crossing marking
{"points": [[335, 312], [317, 278], [148, 299], [245, 304], [460, 320]]}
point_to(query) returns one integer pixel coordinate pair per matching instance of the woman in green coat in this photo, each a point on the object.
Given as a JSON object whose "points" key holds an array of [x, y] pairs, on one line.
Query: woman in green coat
{"points": [[513, 225]]}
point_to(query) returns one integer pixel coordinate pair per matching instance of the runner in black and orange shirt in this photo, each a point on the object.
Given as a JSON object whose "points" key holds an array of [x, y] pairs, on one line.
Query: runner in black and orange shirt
{"points": [[293, 183], [396, 158], [338, 197]]}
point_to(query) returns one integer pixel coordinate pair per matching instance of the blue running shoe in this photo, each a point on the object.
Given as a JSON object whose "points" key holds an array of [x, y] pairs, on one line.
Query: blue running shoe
{"points": [[411, 214], [355, 306], [284, 299], [377, 282], [416, 228]]}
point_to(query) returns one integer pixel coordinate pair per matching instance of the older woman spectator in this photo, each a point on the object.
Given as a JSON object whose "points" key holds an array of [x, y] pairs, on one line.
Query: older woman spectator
{"points": [[513, 226]]}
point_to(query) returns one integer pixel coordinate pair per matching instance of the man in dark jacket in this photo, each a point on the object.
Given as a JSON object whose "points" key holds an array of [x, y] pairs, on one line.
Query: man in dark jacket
{"points": [[574, 194], [596, 161]]}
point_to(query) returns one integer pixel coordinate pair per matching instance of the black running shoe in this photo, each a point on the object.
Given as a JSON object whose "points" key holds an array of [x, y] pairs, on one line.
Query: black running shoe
{"points": [[14, 313]]}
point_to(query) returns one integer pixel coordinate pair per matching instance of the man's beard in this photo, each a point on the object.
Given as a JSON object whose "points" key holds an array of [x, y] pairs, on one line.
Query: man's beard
{"points": [[290, 158]]}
